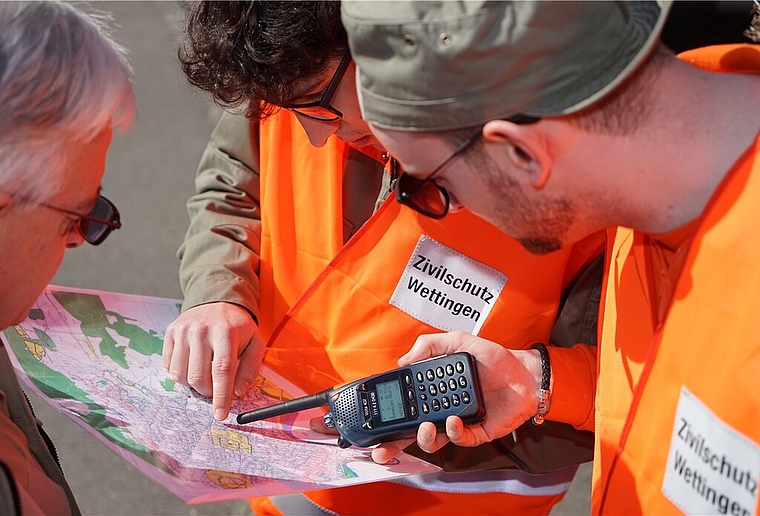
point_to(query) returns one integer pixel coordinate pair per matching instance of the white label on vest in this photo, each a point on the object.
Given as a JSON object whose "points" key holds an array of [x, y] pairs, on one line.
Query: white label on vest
{"points": [[712, 468], [446, 289]]}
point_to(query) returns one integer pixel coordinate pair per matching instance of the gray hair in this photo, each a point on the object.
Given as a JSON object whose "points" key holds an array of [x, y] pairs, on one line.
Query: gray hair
{"points": [[63, 79]]}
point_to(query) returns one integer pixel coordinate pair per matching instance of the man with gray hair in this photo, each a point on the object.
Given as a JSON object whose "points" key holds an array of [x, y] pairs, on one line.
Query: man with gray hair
{"points": [[64, 86], [574, 118]]}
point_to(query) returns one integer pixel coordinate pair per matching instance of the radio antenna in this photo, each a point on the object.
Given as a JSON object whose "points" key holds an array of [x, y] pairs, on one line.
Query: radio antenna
{"points": [[306, 402]]}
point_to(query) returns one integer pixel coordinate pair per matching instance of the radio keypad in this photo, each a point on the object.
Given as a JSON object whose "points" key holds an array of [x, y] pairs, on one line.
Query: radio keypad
{"points": [[437, 389], [442, 387]]}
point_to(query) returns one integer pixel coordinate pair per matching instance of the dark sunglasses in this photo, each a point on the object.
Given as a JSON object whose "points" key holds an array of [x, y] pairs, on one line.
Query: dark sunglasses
{"points": [[425, 195], [96, 225], [321, 110]]}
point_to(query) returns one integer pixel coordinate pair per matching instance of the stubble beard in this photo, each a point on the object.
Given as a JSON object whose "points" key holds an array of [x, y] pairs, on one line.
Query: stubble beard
{"points": [[541, 223]]}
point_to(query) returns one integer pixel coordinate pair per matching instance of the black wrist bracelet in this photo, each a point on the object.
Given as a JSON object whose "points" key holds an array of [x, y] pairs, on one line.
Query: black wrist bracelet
{"points": [[544, 393]]}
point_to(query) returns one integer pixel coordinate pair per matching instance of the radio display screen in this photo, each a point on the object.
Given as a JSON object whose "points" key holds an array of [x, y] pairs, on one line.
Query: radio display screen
{"points": [[390, 401]]}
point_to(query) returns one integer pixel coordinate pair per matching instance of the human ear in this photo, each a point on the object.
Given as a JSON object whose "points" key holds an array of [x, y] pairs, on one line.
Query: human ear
{"points": [[526, 149]]}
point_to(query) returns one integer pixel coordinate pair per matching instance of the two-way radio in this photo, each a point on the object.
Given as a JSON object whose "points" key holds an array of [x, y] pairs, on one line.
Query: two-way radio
{"points": [[391, 405]]}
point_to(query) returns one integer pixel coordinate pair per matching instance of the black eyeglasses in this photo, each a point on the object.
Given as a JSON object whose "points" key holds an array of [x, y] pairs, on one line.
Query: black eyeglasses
{"points": [[96, 225], [425, 195], [321, 109]]}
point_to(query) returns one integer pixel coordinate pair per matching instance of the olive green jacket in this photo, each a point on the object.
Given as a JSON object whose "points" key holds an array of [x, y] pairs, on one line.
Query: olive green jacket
{"points": [[220, 253], [31, 480]]}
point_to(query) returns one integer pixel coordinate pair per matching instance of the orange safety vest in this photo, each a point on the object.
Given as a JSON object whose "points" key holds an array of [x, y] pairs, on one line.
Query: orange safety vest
{"points": [[677, 404], [327, 311]]}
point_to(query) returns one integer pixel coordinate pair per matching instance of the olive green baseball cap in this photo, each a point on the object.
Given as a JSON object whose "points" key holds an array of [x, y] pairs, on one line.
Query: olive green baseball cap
{"points": [[437, 65]]}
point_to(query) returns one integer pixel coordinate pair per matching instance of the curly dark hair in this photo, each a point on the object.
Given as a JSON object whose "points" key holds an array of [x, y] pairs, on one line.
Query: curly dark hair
{"points": [[252, 53]]}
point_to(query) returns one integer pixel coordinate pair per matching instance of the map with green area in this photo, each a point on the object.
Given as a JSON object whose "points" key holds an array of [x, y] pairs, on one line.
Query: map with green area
{"points": [[96, 357]]}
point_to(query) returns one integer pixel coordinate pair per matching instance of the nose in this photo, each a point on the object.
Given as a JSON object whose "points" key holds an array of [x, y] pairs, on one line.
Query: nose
{"points": [[318, 131], [74, 238], [454, 204]]}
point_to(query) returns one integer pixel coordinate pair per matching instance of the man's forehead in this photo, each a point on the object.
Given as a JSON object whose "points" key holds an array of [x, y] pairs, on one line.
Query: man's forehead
{"points": [[308, 87], [85, 170], [78, 196], [86, 201], [417, 152]]}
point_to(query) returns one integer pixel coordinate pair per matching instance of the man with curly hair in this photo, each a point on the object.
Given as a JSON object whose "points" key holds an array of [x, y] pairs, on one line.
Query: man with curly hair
{"points": [[283, 247]]}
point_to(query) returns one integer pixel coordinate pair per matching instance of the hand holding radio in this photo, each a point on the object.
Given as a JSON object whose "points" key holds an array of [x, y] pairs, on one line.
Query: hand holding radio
{"points": [[444, 382], [391, 405], [509, 380]]}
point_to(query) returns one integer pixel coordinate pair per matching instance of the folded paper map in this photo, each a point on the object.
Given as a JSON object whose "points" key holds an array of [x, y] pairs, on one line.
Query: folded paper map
{"points": [[96, 357]]}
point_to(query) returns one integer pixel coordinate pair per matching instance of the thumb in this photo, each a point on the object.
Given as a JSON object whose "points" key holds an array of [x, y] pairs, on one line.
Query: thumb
{"points": [[318, 425], [433, 345]]}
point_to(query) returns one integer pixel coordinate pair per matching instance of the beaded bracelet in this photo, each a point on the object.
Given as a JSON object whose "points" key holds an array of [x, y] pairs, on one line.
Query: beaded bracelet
{"points": [[544, 393]]}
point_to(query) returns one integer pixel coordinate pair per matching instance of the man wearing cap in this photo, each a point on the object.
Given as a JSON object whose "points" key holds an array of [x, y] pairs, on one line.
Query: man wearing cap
{"points": [[574, 117]]}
